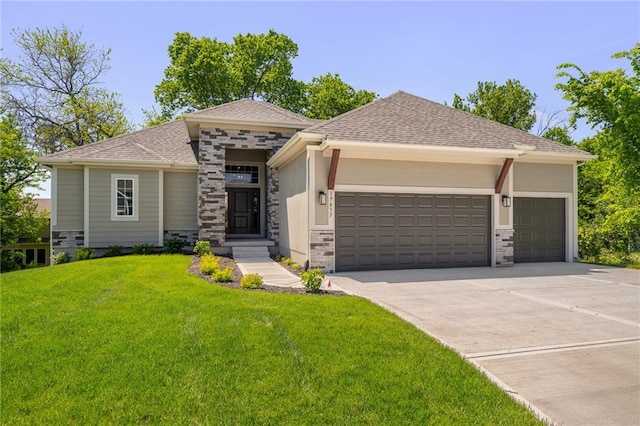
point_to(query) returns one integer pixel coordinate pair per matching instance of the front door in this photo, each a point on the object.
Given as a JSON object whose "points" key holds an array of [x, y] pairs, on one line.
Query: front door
{"points": [[243, 211]]}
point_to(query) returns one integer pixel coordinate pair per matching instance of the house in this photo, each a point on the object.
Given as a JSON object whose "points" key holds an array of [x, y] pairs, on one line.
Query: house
{"points": [[401, 182], [35, 252]]}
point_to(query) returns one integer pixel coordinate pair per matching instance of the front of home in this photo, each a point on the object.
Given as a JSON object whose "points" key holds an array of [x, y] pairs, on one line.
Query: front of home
{"points": [[402, 182]]}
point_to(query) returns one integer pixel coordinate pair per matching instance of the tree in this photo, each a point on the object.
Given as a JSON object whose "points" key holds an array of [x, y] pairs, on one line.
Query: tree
{"points": [[328, 96], [53, 91], [511, 104], [206, 72], [18, 215], [609, 192]]}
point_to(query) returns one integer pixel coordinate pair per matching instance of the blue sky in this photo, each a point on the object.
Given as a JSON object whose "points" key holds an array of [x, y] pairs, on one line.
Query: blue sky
{"points": [[430, 49]]}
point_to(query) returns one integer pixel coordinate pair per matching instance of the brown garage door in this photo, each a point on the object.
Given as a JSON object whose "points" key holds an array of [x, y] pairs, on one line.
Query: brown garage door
{"points": [[539, 230], [402, 231]]}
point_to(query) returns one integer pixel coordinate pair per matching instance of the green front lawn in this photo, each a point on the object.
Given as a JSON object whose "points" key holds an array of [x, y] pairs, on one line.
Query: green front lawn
{"points": [[136, 339]]}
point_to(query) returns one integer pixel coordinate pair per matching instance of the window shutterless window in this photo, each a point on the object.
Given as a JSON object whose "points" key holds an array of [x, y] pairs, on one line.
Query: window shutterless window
{"points": [[124, 197]]}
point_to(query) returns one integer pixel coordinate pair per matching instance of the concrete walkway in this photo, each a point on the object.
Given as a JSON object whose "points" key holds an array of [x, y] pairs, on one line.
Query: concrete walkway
{"points": [[256, 260], [562, 338]]}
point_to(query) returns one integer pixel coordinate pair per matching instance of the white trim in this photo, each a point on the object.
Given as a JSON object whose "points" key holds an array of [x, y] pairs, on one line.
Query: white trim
{"points": [[570, 216], [389, 148], [511, 195], [495, 224], [160, 208], [86, 206], [114, 197], [575, 254], [311, 199], [414, 190], [110, 163], [54, 196]]}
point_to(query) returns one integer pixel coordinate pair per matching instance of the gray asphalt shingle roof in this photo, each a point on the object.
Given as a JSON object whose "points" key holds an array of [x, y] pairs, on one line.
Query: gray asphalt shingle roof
{"points": [[254, 110], [409, 119]]}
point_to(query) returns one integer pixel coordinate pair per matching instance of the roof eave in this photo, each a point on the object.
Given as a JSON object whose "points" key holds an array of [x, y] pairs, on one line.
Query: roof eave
{"points": [[294, 147], [193, 122], [114, 163]]}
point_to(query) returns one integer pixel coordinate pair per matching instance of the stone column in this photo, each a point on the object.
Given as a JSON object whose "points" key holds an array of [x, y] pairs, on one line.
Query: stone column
{"points": [[504, 247]]}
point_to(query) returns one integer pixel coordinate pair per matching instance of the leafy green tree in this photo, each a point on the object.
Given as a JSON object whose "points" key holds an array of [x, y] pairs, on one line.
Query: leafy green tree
{"points": [[328, 96], [18, 215], [609, 193], [53, 90], [511, 103], [559, 134], [205, 72]]}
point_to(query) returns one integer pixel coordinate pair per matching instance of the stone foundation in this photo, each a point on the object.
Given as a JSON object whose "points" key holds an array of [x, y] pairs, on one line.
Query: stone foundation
{"points": [[322, 252], [211, 182], [190, 236], [66, 241], [504, 247]]}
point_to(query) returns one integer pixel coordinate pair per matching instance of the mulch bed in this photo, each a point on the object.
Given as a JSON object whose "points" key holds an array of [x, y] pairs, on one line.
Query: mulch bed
{"points": [[224, 261]]}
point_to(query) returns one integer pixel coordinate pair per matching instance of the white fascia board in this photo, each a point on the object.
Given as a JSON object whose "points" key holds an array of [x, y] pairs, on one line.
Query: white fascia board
{"points": [[294, 147], [117, 163], [395, 149], [555, 157]]}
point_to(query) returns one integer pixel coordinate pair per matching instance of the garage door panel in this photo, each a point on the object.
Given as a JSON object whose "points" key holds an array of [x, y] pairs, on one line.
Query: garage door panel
{"points": [[539, 229], [412, 231], [346, 220]]}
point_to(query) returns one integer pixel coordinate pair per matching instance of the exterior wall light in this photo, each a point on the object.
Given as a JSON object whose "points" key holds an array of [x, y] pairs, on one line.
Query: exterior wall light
{"points": [[506, 201], [322, 198]]}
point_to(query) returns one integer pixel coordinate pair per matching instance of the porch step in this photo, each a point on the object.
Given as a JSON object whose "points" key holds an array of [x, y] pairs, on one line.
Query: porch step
{"points": [[250, 252]]}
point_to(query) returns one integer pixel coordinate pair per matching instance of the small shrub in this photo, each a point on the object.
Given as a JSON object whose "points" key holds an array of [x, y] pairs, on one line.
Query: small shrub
{"points": [[61, 258], [277, 257], [9, 262], [295, 266], [312, 279], [209, 264], [174, 245], [143, 249], [85, 253], [251, 281], [223, 276], [202, 248], [287, 261], [113, 250]]}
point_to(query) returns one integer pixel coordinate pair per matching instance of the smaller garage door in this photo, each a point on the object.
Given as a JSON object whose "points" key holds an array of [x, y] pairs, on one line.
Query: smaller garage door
{"points": [[539, 230]]}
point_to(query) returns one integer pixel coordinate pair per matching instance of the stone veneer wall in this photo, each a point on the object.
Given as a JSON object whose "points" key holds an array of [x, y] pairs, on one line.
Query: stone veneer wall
{"points": [[66, 240], [190, 236], [504, 247], [211, 183], [322, 252]]}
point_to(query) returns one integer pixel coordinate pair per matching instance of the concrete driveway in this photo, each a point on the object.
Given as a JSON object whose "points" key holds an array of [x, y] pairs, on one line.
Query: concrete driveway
{"points": [[564, 338]]}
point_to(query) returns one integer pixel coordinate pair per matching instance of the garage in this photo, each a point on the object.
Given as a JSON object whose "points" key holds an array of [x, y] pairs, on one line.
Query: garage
{"points": [[539, 229], [402, 231]]}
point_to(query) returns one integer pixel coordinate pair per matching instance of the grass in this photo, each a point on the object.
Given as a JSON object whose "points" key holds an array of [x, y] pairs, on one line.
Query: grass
{"points": [[609, 258], [136, 339]]}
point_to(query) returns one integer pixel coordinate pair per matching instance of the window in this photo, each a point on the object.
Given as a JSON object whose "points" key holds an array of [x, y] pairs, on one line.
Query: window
{"points": [[124, 197], [241, 174]]}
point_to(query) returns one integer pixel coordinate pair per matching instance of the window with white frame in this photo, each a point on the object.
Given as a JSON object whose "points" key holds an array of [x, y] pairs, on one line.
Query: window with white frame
{"points": [[124, 197]]}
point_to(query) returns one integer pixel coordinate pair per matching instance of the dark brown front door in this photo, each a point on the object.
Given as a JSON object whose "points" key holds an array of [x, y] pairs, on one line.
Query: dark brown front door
{"points": [[243, 211]]}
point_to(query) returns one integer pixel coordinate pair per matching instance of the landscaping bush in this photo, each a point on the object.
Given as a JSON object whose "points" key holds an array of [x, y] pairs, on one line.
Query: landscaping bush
{"points": [[312, 279], [85, 253], [11, 261], [174, 245], [209, 264], [143, 249], [202, 248], [223, 276], [113, 250], [295, 266], [277, 257], [61, 258], [287, 261], [251, 281]]}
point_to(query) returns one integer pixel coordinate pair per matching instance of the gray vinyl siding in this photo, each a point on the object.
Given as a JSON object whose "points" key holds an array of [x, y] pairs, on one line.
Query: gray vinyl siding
{"points": [[70, 199], [180, 201], [412, 173], [542, 177], [104, 232], [294, 233]]}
